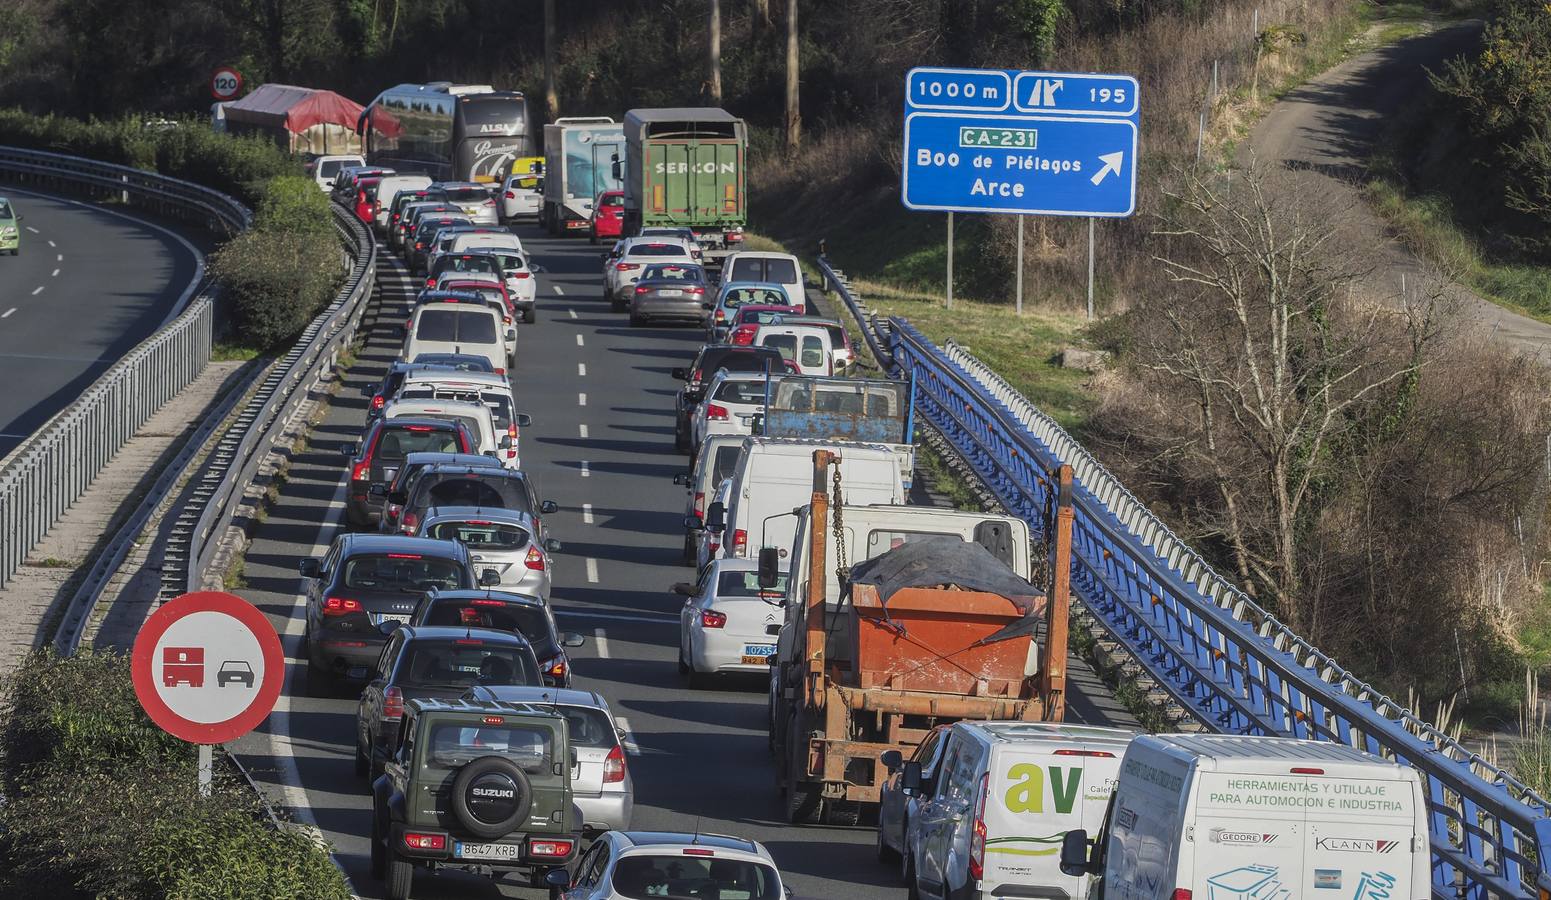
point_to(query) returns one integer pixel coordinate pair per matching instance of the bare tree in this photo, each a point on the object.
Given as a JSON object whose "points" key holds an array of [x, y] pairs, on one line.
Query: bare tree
{"points": [[759, 17], [793, 113], [714, 54], [551, 98], [1270, 361]]}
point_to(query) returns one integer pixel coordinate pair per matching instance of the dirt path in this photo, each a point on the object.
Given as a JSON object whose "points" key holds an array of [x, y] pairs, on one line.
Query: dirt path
{"points": [[1326, 130]]}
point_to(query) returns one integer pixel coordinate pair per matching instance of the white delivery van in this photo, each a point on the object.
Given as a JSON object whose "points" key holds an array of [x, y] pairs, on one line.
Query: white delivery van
{"points": [[808, 346], [768, 267], [389, 188], [990, 821], [457, 328], [1225, 817], [775, 476]]}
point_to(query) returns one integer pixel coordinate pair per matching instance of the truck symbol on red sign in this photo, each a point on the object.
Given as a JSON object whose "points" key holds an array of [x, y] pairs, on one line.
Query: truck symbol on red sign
{"points": [[183, 665]]}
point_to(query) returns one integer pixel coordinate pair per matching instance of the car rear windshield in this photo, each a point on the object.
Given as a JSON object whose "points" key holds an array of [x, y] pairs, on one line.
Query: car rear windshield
{"points": [[473, 489], [449, 663], [411, 573], [778, 271], [741, 392], [330, 167], [510, 262], [466, 194], [526, 620], [757, 316], [746, 584], [673, 273], [685, 877], [460, 361], [589, 727], [482, 535], [739, 360], [657, 250], [737, 297], [396, 443], [613, 200], [500, 402], [455, 326], [785, 344], [458, 263], [531, 747]]}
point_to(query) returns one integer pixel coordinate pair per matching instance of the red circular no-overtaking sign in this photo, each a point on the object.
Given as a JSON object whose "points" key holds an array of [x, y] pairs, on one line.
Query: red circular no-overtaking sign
{"points": [[225, 83], [207, 667]]}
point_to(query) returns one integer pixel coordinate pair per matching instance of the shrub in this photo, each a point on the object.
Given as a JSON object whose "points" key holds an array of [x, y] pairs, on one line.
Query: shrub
{"points": [[275, 282], [293, 204]]}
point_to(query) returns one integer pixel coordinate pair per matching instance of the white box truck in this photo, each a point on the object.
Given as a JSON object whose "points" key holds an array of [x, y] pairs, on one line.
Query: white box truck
{"points": [[579, 164], [1226, 817]]}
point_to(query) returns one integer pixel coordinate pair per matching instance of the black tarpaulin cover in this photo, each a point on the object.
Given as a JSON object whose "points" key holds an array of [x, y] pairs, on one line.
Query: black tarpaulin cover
{"points": [[937, 561]]}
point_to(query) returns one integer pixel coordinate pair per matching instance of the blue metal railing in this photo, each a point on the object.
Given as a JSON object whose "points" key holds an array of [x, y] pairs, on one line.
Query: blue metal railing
{"points": [[1221, 656]]}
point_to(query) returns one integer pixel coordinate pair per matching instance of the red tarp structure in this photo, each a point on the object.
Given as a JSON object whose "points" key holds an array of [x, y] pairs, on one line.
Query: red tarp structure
{"points": [[300, 119]]}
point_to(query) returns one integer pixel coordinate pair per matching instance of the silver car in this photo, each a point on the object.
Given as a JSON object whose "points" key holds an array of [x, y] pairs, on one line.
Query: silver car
{"points": [[601, 781], [476, 200], [499, 540]]}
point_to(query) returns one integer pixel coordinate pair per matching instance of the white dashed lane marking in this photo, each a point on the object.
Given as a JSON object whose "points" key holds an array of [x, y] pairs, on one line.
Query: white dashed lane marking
{"points": [[581, 399], [37, 290], [55, 274], [561, 291], [585, 471], [7, 313], [601, 642], [31, 229], [52, 244], [583, 429], [586, 507], [581, 368], [592, 571], [572, 312], [579, 341]]}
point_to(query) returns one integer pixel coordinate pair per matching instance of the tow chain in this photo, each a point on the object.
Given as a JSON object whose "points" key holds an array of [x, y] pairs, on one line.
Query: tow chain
{"points": [[842, 566]]}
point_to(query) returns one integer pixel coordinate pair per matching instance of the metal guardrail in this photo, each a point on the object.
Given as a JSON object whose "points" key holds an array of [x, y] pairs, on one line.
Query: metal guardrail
{"points": [[1218, 653], [46, 473]]}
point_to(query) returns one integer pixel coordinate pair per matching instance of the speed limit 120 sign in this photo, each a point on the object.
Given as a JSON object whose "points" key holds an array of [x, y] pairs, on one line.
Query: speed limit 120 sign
{"points": [[225, 83], [207, 667]]}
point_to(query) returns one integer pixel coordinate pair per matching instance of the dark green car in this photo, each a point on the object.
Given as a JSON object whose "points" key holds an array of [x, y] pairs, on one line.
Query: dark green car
{"points": [[10, 228], [478, 786]]}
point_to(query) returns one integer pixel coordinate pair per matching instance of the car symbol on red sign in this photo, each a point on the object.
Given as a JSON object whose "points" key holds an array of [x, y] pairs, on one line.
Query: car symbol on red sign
{"points": [[225, 83], [207, 667]]}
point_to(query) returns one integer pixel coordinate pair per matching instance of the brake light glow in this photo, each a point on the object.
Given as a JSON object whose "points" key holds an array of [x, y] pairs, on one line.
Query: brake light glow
{"points": [[339, 606], [471, 642], [485, 602], [643, 290], [378, 401], [405, 556], [697, 290], [1304, 770], [710, 618], [734, 236], [614, 766], [392, 704], [716, 413], [519, 274], [361, 471], [740, 542], [493, 720], [554, 848], [557, 667], [534, 560], [414, 840], [977, 839], [698, 851], [420, 428], [1180, 894], [627, 267]]}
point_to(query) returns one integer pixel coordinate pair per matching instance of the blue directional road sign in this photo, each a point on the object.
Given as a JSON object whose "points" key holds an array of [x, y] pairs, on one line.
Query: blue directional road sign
{"points": [[1040, 143]]}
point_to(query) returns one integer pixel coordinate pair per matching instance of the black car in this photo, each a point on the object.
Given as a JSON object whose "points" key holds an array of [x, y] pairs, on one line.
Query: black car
{"points": [[429, 663], [376, 459], [505, 611], [670, 291], [733, 358], [462, 485], [363, 581], [413, 463], [385, 390]]}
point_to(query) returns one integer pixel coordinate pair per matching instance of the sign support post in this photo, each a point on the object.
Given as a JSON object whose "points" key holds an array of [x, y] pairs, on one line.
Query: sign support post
{"points": [[1091, 220], [950, 259], [206, 768], [1018, 291]]}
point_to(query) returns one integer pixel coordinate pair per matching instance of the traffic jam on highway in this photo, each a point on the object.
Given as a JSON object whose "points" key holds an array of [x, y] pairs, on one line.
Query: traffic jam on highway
{"points": [[907, 680]]}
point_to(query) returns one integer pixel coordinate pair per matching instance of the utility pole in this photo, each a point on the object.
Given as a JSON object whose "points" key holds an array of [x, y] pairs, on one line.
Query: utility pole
{"points": [[551, 99], [793, 114], [714, 51]]}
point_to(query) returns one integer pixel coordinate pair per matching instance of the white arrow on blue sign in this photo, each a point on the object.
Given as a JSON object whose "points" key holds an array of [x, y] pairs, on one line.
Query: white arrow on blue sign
{"points": [[1039, 143]]}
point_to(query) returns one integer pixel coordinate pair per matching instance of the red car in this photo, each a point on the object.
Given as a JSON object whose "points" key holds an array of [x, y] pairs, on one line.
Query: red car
{"points": [[365, 205], [747, 319], [608, 216]]}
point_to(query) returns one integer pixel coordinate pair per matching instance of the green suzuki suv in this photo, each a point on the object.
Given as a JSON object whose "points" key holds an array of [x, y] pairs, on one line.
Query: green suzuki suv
{"points": [[10, 228]]}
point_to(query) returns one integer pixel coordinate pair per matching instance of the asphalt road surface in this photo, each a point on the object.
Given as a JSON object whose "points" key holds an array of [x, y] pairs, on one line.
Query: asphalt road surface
{"points": [[601, 397], [89, 285]]}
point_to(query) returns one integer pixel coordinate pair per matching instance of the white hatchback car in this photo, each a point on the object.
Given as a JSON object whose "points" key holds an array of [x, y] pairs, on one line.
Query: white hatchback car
{"points": [[475, 416], [728, 623], [476, 201], [626, 266], [521, 195], [630, 865], [732, 400]]}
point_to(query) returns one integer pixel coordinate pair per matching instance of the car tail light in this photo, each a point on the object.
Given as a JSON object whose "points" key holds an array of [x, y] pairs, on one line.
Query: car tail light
{"points": [[378, 400], [977, 838], [557, 667], [1304, 770], [551, 847], [393, 703], [519, 274], [1180, 894], [710, 618], [498, 372], [414, 840], [697, 290], [744, 336], [740, 542], [698, 851], [484, 602], [409, 523], [643, 290], [716, 413], [430, 282], [510, 195], [721, 315], [511, 441], [361, 471], [419, 245], [534, 560], [736, 235], [614, 766], [339, 606], [699, 503], [627, 267]]}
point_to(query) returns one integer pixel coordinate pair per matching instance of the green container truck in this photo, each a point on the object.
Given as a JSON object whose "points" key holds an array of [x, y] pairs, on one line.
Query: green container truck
{"points": [[685, 168]]}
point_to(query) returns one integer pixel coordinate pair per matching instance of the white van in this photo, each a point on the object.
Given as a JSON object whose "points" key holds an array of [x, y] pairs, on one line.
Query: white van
{"points": [[989, 818], [775, 476], [806, 345], [324, 169], [457, 328], [771, 268], [1225, 817], [476, 417], [391, 186]]}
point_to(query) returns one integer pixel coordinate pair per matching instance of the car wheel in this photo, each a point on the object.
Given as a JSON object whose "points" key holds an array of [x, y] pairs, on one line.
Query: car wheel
{"points": [[881, 848], [683, 666], [680, 440], [529, 316], [379, 852], [912, 892], [842, 813], [401, 874], [593, 236], [689, 550], [802, 803], [363, 761], [636, 321]]}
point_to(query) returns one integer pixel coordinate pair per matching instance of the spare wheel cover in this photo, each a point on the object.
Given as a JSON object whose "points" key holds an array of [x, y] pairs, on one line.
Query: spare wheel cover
{"points": [[491, 797]]}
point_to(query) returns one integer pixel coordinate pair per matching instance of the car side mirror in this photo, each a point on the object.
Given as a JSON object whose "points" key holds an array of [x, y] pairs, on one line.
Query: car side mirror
{"points": [[681, 373], [308, 568], [769, 567], [349, 450], [369, 391], [398, 498], [489, 578], [604, 256], [693, 523], [378, 490], [910, 777], [683, 589], [708, 306], [557, 878], [1074, 853], [388, 626], [552, 545], [572, 639], [716, 515], [681, 478], [511, 334], [549, 506], [523, 420], [891, 760]]}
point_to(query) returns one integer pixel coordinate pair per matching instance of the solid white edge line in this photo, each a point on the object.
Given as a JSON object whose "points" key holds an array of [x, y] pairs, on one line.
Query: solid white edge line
{"points": [[586, 513], [601, 641], [592, 570]]}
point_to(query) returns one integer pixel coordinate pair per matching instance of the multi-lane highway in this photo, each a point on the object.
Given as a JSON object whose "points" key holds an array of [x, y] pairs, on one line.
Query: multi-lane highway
{"points": [[90, 284], [601, 445]]}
